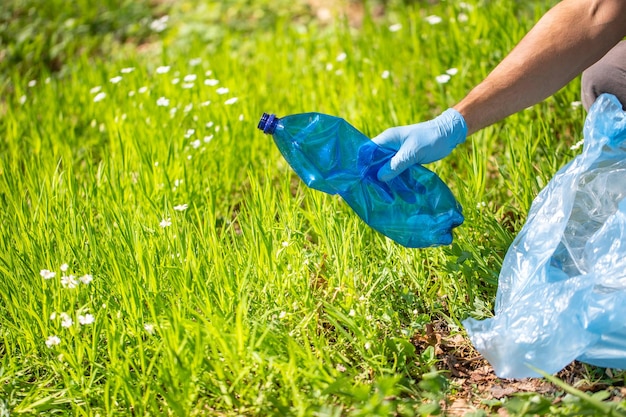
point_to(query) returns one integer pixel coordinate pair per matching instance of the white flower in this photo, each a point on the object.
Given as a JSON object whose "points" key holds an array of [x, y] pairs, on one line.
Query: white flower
{"points": [[209, 125], [99, 97], [385, 74], [163, 102], [53, 316], [86, 319], [95, 89], [160, 24], [142, 89], [66, 320], [149, 328], [208, 138], [127, 70], [86, 279], [188, 108], [443, 78], [165, 223], [181, 207], [23, 99], [116, 80], [576, 104], [433, 20], [64, 267], [175, 80], [341, 57], [462, 17], [163, 69], [194, 62], [32, 83], [577, 145], [231, 100], [196, 144], [69, 281], [189, 78], [46, 274], [282, 315], [452, 71], [396, 27], [367, 345], [187, 86], [352, 313], [222, 90], [189, 133], [341, 368], [52, 341], [211, 82]]}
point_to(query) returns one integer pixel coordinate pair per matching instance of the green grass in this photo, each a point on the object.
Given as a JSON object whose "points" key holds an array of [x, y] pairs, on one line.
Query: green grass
{"points": [[261, 297]]}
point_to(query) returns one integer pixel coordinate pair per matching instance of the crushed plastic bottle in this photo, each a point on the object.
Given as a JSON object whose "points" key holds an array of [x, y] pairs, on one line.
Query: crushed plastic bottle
{"points": [[562, 286], [415, 209]]}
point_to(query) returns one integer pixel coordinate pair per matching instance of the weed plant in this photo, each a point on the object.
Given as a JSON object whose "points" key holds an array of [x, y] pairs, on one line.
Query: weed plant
{"points": [[159, 257]]}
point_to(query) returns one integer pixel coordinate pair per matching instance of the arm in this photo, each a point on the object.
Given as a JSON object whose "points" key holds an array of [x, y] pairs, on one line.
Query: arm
{"points": [[573, 35], [569, 38]]}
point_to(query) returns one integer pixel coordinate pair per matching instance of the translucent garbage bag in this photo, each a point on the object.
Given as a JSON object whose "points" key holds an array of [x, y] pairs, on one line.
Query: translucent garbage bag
{"points": [[562, 287]]}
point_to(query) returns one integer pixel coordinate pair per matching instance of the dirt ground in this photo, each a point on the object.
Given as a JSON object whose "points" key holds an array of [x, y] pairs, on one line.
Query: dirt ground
{"points": [[476, 384]]}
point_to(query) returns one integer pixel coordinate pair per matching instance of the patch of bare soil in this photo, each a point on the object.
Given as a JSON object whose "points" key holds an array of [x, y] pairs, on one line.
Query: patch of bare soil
{"points": [[476, 383]]}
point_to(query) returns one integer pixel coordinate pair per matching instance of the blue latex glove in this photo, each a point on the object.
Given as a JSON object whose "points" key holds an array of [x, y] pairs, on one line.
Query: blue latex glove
{"points": [[421, 143]]}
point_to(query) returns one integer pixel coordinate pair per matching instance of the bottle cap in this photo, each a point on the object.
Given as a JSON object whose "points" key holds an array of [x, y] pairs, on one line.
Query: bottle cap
{"points": [[268, 123]]}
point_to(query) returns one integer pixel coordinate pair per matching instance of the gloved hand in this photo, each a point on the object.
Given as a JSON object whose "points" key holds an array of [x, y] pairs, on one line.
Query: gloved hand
{"points": [[421, 143]]}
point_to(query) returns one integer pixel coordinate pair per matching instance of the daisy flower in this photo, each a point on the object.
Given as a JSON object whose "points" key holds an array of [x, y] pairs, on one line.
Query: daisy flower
{"points": [[46, 274], [69, 281], [52, 341], [86, 279], [433, 20], [86, 319]]}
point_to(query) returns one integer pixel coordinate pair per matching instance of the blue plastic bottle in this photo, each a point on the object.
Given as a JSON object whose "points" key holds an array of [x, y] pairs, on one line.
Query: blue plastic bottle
{"points": [[415, 209]]}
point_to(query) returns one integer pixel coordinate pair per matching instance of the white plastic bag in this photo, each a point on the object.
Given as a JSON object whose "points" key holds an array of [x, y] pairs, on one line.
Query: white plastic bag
{"points": [[562, 287]]}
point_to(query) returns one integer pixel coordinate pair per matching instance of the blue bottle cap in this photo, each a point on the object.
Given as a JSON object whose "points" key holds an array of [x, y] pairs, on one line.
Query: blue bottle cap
{"points": [[268, 123]]}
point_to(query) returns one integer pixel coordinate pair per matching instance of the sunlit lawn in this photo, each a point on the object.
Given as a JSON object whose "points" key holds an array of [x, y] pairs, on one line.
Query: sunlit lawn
{"points": [[158, 256]]}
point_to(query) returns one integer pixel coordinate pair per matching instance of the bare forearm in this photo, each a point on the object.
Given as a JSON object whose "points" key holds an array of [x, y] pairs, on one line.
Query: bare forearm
{"points": [[569, 38]]}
